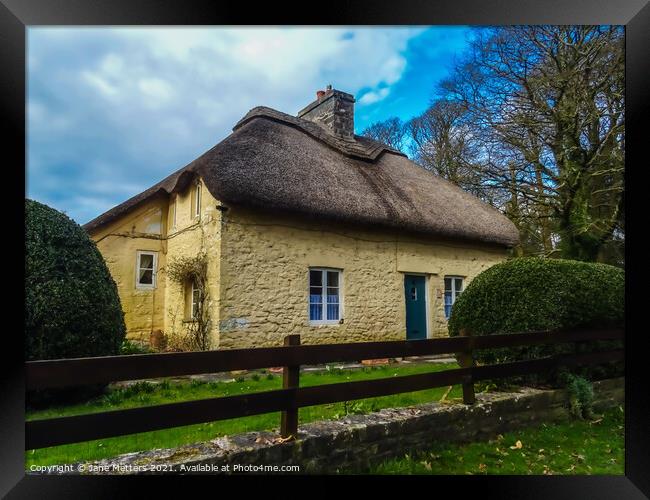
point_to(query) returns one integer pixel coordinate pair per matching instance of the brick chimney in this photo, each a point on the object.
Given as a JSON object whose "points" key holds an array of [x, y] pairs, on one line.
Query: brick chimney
{"points": [[333, 110]]}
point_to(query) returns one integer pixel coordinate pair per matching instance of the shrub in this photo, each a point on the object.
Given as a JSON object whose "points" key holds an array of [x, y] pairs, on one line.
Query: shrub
{"points": [[529, 294], [72, 308], [130, 347], [581, 395]]}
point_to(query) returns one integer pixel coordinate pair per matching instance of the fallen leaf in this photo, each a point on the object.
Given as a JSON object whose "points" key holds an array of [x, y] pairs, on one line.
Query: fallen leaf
{"points": [[281, 440], [482, 467], [517, 446], [427, 465]]}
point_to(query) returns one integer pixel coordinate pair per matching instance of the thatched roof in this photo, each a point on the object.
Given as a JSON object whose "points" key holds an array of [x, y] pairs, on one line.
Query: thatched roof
{"points": [[274, 161]]}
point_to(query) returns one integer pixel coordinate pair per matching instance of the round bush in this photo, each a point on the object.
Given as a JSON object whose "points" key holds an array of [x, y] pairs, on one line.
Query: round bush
{"points": [[72, 308], [529, 294]]}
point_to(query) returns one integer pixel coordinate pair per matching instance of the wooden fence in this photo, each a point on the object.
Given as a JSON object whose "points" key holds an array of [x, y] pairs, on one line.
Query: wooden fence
{"points": [[81, 371]]}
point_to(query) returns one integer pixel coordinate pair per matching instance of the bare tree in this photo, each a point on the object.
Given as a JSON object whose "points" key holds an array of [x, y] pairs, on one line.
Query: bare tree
{"points": [[547, 105], [390, 132], [442, 140]]}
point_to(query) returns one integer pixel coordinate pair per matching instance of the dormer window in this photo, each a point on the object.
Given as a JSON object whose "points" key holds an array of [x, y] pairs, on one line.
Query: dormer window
{"points": [[173, 210], [197, 201]]}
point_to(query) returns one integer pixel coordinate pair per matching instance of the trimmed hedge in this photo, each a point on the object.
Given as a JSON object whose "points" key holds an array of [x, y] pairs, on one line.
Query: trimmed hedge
{"points": [[72, 308], [528, 294]]}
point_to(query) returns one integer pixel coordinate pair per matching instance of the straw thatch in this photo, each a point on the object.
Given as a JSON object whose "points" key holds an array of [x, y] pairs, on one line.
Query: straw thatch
{"points": [[274, 161]]}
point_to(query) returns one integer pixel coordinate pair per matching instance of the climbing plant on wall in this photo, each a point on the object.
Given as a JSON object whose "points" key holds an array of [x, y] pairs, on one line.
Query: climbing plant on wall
{"points": [[191, 274]]}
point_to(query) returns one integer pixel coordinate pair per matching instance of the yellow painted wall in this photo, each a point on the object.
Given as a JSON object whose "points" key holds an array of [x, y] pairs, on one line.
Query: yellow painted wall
{"points": [[190, 236], [258, 272], [151, 227], [119, 242], [264, 279]]}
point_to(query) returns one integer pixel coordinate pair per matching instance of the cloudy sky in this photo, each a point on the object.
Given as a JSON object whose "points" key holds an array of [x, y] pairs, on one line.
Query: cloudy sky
{"points": [[112, 111]]}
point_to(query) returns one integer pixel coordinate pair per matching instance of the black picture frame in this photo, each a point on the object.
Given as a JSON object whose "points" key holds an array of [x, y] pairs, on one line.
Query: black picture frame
{"points": [[17, 15]]}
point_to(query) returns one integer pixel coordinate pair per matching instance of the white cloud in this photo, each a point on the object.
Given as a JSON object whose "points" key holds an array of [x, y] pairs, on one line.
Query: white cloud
{"points": [[374, 96], [149, 100], [155, 91], [99, 83]]}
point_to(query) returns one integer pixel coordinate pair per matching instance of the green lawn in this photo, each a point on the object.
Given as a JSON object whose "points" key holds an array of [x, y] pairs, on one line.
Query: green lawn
{"points": [[572, 447], [145, 394]]}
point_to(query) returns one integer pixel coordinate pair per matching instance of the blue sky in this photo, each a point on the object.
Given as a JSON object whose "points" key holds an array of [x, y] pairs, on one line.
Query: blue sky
{"points": [[112, 111]]}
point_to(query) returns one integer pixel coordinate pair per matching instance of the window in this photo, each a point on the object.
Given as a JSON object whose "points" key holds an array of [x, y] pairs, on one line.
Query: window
{"points": [[146, 270], [173, 214], [195, 309], [197, 200], [453, 288], [324, 296]]}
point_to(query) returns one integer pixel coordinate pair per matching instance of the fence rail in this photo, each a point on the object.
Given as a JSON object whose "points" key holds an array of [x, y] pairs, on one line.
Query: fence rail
{"points": [[68, 372]]}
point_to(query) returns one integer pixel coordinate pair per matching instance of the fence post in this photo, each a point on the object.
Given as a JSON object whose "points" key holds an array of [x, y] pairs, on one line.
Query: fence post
{"points": [[290, 380], [466, 360]]}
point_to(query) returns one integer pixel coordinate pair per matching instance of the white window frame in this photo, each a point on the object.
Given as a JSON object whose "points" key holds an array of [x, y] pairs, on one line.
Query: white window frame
{"points": [[324, 271], [146, 286], [174, 211], [454, 292], [192, 303], [197, 200]]}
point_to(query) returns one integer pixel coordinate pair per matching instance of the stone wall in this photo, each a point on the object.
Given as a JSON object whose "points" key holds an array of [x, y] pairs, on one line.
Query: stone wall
{"points": [[258, 272], [265, 270], [358, 441], [191, 237], [334, 111]]}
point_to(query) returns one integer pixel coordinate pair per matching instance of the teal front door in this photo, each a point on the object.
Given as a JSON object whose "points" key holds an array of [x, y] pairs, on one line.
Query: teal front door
{"points": [[416, 307]]}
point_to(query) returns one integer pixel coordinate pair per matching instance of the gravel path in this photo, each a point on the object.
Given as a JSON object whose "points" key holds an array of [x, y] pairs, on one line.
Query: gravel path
{"points": [[233, 375]]}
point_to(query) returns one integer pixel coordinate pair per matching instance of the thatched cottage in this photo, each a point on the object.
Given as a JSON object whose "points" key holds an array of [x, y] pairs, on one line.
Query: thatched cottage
{"points": [[304, 227]]}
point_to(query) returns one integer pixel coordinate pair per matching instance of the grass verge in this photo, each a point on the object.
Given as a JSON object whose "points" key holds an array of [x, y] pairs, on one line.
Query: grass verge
{"points": [[145, 394], [572, 447]]}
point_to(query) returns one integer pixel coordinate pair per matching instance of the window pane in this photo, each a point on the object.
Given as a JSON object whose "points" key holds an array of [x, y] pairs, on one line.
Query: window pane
{"points": [[332, 311], [459, 285], [448, 304], [146, 261], [315, 294], [332, 278], [315, 278], [315, 312], [447, 284], [146, 277], [332, 304]]}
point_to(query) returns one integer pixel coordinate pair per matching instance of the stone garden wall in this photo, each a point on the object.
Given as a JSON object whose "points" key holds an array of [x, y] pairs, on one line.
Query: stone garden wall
{"points": [[360, 440]]}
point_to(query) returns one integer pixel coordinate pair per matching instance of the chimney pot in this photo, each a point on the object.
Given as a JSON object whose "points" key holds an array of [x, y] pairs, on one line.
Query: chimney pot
{"points": [[333, 110]]}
